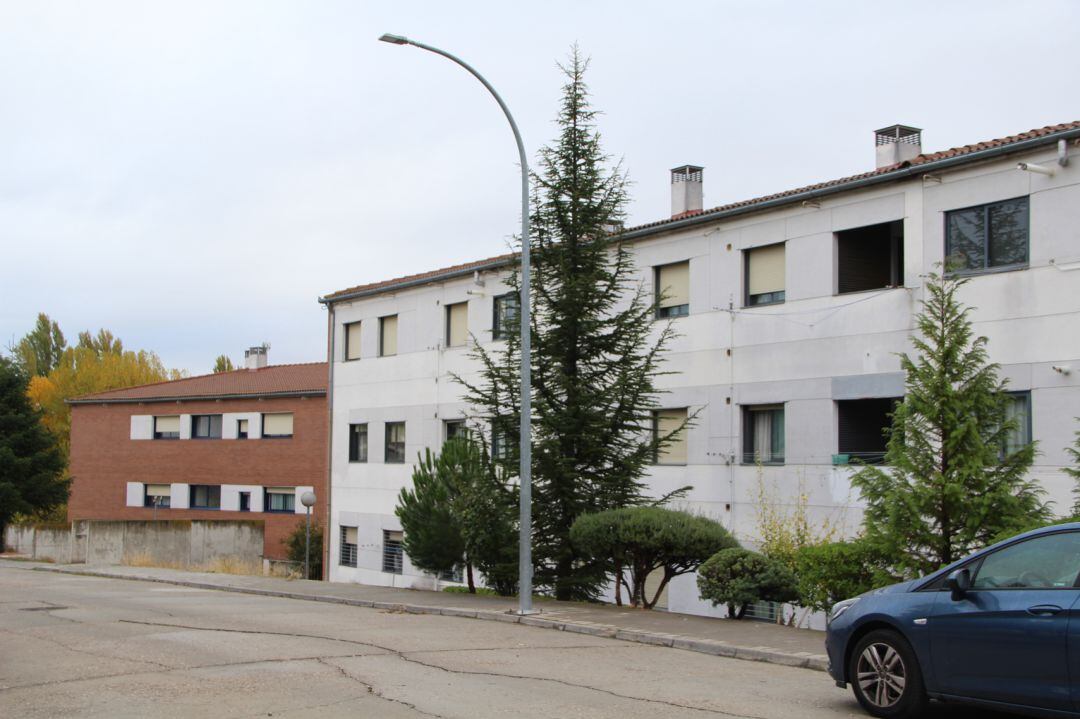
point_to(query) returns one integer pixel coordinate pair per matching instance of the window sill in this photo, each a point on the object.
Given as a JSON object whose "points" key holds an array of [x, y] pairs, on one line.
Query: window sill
{"points": [[871, 289], [358, 461], [277, 436], [166, 439], [669, 464], [206, 509], [989, 270], [279, 511], [763, 464], [773, 303]]}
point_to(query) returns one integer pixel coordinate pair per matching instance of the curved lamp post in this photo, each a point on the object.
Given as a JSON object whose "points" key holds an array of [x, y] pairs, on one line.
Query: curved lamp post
{"points": [[525, 470]]}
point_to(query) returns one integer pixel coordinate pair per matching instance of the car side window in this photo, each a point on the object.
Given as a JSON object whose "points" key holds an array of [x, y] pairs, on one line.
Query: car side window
{"points": [[1051, 561]]}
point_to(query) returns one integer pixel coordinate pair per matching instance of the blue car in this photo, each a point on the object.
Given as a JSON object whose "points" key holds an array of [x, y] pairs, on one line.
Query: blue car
{"points": [[1000, 628]]}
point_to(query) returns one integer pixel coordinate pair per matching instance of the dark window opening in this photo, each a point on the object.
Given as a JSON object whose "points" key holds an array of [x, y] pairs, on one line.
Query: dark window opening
{"points": [[349, 542], [206, 426], [279, 501], [157, 496], [245, 501], [505, 321], [241, 429], [358, 443], [393, 557], [861, 426], [455, 428], [763, 434], [988, 236], [395, 443], [870, 258], [205, 496]]}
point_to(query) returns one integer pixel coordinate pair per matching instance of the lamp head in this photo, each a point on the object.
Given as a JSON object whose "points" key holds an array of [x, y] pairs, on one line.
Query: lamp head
{"points": [[394, 39], [307, 499]]}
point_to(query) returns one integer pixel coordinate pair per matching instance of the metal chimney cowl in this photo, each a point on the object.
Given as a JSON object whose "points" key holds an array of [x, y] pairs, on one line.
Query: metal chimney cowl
{"points": [[687, 192], [897, 143], [257, 357]]}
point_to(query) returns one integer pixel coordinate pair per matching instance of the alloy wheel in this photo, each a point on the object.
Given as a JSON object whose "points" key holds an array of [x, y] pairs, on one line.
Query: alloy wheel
{"points": [[881, 675]]}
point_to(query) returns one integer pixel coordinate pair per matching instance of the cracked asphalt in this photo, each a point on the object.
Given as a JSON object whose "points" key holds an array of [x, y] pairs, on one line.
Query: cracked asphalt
{"points": [[91, 647]]}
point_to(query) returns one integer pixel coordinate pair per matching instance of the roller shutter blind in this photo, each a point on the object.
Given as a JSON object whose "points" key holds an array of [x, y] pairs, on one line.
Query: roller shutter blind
{"points": [[388, 336], [167, 424], [352, 341], [766, 271], [667, 421], [674, 284], [278, 425], [457, 324]]}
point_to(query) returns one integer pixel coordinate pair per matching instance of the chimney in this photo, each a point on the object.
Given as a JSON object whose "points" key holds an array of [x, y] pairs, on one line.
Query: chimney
{"points": [[686, 192], [897, 143], [256, 357]]}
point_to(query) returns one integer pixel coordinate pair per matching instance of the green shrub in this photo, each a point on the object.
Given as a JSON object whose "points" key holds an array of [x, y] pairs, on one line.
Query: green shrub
{"points": [[295, 543], [828, 573], [738, 577], [641, 540]]}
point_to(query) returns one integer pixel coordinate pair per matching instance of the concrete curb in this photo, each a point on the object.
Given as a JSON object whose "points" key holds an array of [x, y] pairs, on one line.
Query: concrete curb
{"points": [[802, 660]]}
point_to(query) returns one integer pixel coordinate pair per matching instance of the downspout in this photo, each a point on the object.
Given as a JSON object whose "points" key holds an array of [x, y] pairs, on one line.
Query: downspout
{"points": [[329, 440]]}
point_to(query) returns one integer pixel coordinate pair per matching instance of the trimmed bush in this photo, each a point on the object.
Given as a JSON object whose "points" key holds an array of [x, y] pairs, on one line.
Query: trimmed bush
{"points": [[641, 540], [738, 578], [828, 573], [295, 544]]}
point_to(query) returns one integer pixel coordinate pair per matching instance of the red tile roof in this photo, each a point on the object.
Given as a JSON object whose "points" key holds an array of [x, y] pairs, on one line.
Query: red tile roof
{"points": [[275, 380], [768, 200]]}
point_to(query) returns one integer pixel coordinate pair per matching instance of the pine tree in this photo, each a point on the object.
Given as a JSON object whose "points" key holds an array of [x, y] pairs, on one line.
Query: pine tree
{"points": [[596, 352], [31, 462], [950, 486], [1074, 472]]}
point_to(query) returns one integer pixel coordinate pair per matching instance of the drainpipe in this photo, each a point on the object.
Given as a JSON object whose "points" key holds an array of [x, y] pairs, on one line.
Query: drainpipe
{"points": [[328, 494]]}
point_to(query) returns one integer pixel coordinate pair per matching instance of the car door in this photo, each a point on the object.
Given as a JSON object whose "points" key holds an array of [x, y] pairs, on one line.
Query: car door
{"points": [[1006, 639]]}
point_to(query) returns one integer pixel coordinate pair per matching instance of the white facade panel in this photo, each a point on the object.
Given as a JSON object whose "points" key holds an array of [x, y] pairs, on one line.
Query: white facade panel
{"points": [[142, 426], [135, 494], [181, 496]]}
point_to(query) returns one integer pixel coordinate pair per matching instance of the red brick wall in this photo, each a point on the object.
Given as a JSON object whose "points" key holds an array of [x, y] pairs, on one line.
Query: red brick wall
{"points": [[104, 459]]}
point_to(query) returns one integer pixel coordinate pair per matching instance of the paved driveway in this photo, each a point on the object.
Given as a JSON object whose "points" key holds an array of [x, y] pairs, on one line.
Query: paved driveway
{"points": [[82, 646]]}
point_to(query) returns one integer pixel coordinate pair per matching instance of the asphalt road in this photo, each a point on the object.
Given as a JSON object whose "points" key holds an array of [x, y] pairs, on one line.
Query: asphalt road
{"points": [[89, 647]]}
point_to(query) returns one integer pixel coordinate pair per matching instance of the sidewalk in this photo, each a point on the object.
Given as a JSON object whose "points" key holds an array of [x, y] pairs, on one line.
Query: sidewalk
{"points": [[755, 641]]}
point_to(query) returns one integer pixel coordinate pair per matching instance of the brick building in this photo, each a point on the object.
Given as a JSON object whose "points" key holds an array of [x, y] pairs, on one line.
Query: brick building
{"points": [[241, 445]]}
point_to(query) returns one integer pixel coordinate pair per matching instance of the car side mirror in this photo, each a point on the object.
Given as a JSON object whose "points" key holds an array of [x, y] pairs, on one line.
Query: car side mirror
{"points": [[958, 582]]}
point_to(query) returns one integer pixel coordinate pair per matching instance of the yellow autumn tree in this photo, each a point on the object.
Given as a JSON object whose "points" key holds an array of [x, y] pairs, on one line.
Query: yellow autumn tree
{"points": [[88, 368]]}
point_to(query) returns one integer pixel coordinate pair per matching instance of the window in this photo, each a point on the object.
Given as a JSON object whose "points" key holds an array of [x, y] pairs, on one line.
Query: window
{"points": [[245, 501], [455, 428], [395, 443], [870, 258], [206, 426], [1018, 409], [452, 575], [157, 495], [765, 275], [861, 425], [664, 422], [763, 434], [1047, 562], [277, 425], [347, 553], [392, 559], [500, 445], [357, 442], [506, 315], [673, 290], [388, 336], [167, 427], [457, 324], [352, 341], [241, 429], [988, 236], [279, 499], [205, 496]]}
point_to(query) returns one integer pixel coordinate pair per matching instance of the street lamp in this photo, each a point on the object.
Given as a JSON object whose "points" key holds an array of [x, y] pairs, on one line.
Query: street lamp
{"points": [[525, 470], [308, 500]]}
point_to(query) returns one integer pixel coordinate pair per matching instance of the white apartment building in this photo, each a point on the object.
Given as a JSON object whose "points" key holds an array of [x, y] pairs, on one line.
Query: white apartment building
{"points": [[791, 311]]}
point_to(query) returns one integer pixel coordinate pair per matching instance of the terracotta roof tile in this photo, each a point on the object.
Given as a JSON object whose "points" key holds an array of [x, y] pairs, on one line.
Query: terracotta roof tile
{"points": [[282, 379], [922, 159]]}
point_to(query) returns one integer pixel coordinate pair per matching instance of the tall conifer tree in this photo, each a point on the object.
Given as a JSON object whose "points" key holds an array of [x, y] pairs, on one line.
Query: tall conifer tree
{"points": [[596, 351], [950, 486]]}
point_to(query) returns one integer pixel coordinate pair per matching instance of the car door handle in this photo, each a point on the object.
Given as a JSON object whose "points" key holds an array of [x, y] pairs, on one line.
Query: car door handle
{"points": [[1044, 610]]}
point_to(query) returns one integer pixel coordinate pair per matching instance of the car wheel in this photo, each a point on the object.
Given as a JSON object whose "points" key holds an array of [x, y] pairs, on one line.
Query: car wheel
{"points": [[885, 676]]}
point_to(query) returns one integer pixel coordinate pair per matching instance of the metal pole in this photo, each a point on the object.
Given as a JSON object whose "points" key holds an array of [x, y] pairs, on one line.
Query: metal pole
{"points": [[525, 468], [307, 547]]}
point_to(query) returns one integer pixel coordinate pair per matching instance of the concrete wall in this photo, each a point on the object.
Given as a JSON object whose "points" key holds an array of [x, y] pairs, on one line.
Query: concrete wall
{"points": [[183, 542], [807, 353]]}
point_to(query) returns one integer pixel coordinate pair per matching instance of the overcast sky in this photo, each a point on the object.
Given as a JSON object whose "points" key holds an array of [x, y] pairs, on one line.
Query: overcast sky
{"points": [[194, 175]]}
